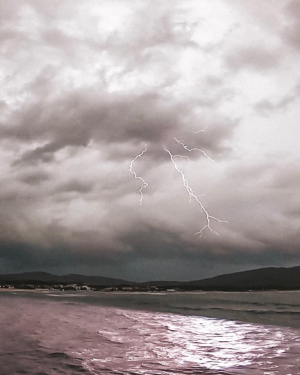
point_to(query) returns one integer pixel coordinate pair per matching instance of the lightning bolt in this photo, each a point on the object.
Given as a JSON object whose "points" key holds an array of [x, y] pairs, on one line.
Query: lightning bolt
{"points": [[193, 149], [140, 155], [185, 182], [202, 130], [192, 194]]}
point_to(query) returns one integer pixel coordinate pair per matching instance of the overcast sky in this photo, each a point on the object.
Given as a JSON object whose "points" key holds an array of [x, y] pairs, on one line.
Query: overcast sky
{"points": [[86, 86]]}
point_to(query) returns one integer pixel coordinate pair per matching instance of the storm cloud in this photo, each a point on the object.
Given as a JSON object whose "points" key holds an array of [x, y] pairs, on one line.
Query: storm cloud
{"points": [[87, 86]]}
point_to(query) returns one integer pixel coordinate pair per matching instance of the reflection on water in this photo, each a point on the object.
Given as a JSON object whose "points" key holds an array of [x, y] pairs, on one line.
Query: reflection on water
{"points": [[146, 343], [44, 336]]}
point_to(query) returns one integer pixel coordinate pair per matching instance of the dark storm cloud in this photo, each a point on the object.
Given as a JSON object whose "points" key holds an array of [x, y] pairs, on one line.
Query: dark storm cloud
{"points": [[87, 85], [78, 118], [168, 254]]}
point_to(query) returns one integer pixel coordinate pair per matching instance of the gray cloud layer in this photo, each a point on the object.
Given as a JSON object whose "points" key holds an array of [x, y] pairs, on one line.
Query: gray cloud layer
{"points": [[85, 86]]}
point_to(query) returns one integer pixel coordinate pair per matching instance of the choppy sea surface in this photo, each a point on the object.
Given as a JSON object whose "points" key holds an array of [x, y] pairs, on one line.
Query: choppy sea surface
{"points": [[210, 333]]}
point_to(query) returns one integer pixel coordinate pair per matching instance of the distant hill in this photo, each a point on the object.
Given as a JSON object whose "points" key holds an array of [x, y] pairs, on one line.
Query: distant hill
{"points": [[258, 279], [48, 278]]}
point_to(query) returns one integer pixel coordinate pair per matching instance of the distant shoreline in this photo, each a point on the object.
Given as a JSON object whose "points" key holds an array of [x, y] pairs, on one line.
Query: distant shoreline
{"points": [[120, 291], [270, 278]]}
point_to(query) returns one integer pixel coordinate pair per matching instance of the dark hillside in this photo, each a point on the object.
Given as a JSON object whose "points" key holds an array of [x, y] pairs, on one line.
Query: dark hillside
{"points": [[43, 277], [263, 278]]}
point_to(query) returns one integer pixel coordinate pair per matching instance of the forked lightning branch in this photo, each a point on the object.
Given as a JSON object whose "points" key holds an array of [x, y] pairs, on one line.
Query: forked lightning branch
{"points": [[208, 218]]}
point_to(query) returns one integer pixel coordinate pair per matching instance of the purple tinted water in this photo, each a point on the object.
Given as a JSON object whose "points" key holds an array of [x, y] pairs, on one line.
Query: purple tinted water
{"points": [[41, 334]]}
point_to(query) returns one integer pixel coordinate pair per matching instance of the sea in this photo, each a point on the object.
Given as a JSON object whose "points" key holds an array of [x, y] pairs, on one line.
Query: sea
{"points": [[209, 333]]}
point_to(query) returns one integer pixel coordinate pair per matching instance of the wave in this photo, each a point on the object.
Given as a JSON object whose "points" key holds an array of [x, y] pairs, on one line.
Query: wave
{"points": [[236, 310]]}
